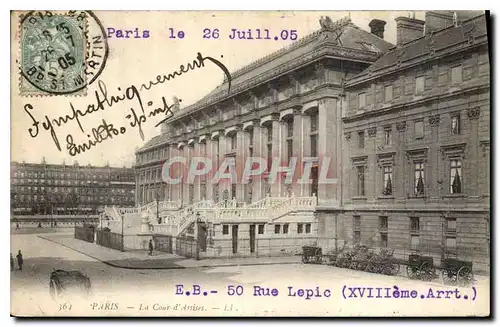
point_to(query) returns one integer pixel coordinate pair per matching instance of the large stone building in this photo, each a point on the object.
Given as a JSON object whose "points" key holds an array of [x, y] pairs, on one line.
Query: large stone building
{"points": [[404, 127], [50, 189]]}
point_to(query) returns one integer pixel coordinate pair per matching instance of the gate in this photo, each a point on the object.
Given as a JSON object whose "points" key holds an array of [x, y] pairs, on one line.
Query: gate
{"points": [[163, 243], [84, 233], [184, 246], [110, 240]]}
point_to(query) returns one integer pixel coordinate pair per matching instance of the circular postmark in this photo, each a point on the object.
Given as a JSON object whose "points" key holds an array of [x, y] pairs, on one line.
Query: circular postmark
{"points": [[61, 52]]}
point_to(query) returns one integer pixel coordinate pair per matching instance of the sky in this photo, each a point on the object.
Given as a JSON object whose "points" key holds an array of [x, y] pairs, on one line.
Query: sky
{"points": [[134, 61]]}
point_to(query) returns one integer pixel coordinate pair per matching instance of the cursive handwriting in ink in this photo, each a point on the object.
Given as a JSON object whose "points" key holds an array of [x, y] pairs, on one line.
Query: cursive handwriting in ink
{"points": [[99, 134], [35, 122], [102, 101], [137, 121], [197, 63]]}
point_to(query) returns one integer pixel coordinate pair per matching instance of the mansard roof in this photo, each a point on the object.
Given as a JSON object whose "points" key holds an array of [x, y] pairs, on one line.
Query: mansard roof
{"points": [[341, 39], [433, 45]]}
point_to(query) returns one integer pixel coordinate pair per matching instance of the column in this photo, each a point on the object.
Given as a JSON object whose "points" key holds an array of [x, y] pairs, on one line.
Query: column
{"points": [[208, 176], [196, 188], [240, 161], [276, 152], [223, 184], [329, 132], [188, 153], [298, 140], [306, 152], [258, 139], [283, 157]]}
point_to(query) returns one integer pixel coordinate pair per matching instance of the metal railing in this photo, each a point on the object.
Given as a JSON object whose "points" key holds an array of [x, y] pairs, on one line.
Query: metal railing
{"points": [[84, 234], [110, 240]]}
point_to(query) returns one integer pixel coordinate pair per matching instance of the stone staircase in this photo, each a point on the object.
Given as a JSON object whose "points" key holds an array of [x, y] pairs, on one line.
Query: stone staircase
{"points": [[176, 220]]}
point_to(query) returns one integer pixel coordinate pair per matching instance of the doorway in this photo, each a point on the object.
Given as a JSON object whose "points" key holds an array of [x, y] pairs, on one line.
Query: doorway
{"points": [[252, 238], [235, 238]]}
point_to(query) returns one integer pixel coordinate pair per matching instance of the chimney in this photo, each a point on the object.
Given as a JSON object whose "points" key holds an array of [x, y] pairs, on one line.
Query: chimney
{"points": [[436, 20], [377, 27], [408, 29]]}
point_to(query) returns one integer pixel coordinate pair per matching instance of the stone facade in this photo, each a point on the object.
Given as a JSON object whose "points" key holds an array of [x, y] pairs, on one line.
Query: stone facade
{"points": [[42, 189], [405, 129]]}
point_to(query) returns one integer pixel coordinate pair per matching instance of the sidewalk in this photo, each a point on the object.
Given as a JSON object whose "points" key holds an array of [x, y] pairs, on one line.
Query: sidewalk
{"points": [[160, 260]]}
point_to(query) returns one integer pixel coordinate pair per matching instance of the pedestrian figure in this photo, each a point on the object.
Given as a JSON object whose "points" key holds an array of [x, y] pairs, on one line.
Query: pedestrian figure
{"points": [[17, 225], [20, 260], [151, 247], [11, 262]]}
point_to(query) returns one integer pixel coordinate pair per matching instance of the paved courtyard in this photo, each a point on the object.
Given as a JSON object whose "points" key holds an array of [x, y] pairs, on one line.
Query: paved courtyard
{"points": [[152, 292]]}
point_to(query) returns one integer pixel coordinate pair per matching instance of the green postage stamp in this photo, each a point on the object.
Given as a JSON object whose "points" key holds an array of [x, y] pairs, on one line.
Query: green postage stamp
{"points": [[53, 52]]}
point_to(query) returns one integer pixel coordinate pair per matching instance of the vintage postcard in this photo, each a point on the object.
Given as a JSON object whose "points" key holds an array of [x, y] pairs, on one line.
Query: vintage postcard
{"points": [[258, 164]]}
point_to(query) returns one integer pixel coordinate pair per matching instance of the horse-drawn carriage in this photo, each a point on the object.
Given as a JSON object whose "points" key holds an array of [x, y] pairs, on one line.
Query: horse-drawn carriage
{"points": [[456, 271], [312, 254], [420, 267]]}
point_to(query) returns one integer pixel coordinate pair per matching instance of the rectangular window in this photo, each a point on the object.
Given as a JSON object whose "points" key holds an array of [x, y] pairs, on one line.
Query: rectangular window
{"points": [[250, 137], [357, 223], [314, 145], [456, 75], [383, 240], [300, 228], [387, 136], [455, 124], [419, 129], [361, 180], [357, 237], [289, 128], [387, 180], [225, 229], [456, 176], [261, 229], [308, 228], [384, 224], [285, 229], [277, 229], [419, 179], [269, 156], [289, 148], [414, 225], [451, 245], [388, 93], [419, 85], [415, 242], [361, 100], [451, 225], [361, 140], [233, 142], [270, 133], [314, 122]]}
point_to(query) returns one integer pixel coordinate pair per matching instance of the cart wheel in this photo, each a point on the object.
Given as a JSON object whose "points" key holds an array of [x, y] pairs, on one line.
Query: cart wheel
{"points": [[394, 268], [305, 259], [465, 276], [448, 277], [411, 272], [426, 271]]}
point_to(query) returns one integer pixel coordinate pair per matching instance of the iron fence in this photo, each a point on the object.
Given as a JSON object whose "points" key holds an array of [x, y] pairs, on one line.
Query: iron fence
{"points": [[84, 234], [110, 240], [183, 246]]}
